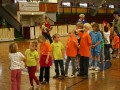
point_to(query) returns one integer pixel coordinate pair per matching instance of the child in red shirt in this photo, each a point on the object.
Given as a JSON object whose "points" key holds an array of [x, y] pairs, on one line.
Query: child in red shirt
{"points": [[84, 51], [71, 52], [116, 45], [45, 60]]}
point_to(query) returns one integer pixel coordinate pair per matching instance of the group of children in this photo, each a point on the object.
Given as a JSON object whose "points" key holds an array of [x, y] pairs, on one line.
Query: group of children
{"points": [[88, 43]]}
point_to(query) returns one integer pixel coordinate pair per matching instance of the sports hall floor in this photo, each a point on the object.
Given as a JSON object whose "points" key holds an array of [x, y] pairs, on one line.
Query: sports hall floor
{"points": [[108, 79]]}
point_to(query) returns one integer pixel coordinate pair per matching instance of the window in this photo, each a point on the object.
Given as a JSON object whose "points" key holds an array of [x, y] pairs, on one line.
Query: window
{"points": [[83, 4], [111, 6], [68, 4]]}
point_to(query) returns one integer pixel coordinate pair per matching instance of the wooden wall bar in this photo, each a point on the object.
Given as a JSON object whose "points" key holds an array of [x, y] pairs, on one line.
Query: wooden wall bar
{"points": [[6, 34], [42, 7], [51, 7]]}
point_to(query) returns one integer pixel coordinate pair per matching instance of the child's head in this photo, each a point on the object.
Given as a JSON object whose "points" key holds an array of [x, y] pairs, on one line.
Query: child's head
{"points": [[41, 39], [87, 27], [56, 37], [95, 27], [33, 45], [79, 25], [105, 28], [13, 47]]}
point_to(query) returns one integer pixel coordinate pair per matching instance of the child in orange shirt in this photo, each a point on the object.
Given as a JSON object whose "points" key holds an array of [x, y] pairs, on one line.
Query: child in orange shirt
{"points": [[71, 52], [116, 45], [45, 60], [84, 51]]}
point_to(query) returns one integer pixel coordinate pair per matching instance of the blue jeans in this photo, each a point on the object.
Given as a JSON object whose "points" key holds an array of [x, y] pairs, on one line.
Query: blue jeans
{"points": [[107, 51]]}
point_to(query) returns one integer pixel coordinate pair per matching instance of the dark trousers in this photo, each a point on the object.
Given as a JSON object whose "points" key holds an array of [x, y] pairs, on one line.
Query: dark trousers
{"points": [[47, 36], [57, 64], [44, 72], [84, 63], [107, 51]]}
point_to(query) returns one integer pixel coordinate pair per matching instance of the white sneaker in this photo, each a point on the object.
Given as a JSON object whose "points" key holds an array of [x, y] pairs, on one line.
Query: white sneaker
{"points": [[91, 68], [72, 76], [97, 69]]}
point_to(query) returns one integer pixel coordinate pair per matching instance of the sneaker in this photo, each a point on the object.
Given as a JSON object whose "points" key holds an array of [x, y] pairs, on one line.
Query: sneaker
{"points": [[44, 82], [61, 77], [66, 75], [55, 76], [37, 87], [91, 68], [31, 88], [72, 76], [97, 69]]}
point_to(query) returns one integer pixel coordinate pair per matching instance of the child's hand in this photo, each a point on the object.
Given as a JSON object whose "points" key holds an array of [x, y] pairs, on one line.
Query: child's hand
{"points": [[46, 61], [93, 46]]}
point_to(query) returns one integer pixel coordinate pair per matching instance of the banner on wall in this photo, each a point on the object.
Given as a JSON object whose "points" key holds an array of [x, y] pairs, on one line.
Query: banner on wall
{"points": [[28, 6]]}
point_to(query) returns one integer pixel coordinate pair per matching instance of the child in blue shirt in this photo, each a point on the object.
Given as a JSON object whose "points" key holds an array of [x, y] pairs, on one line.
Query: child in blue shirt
{"points": [[96, 46]]}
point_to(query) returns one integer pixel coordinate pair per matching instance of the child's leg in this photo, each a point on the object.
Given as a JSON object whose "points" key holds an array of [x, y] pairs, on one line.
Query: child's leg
{"points": [[32, 76], [41, 74], [66, 64], [81, 65], [13, 80], [85, 65], [73, 65], [56, 67], [47, 74], [18, 77], [61, 67]]}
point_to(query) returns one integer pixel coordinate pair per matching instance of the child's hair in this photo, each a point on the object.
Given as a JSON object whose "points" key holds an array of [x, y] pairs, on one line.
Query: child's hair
{"points": [[55, 35], [80, 24], [105, 28], [87, 25], [42, 38], [96, 25], [13, 48], [34, 43]]}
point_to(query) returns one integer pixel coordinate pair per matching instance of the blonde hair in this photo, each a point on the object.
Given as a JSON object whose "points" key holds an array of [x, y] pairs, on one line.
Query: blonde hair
{"points": [[13, 48], [55, 35], [42, 38], [87, 25], [80, 24], [82, 15]]}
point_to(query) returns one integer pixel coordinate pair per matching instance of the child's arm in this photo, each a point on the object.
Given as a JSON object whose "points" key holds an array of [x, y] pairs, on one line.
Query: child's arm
{"points": [[37, 67], [47, 57]]}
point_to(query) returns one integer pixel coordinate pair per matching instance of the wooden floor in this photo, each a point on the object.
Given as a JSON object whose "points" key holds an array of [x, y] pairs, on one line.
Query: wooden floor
{"points": [[105, 80]]}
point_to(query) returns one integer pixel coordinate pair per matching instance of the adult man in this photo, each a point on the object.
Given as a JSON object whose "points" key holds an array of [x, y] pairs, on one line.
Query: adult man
{"points": [[116, 23]]}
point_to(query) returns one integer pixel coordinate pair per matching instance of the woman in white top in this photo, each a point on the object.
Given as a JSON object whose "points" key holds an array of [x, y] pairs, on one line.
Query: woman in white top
{"points": [[107, 43], [15, 60]]}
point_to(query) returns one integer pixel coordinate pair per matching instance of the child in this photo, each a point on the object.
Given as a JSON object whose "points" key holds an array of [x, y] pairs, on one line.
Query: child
{"points": [[58, 55], [95, 47], [15, 59], [71, 52], [116, 45], [32, 64], [106, 43], [45, 60], [84, 51]]}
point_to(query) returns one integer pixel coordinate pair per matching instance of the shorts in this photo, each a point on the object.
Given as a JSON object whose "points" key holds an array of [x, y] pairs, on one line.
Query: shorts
{"points": [[95, 53]]}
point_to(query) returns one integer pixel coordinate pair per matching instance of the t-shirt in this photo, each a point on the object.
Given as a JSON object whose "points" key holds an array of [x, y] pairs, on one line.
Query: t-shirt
{"points": [[57, 50], [107, 37], [16, 60], [116, 41], [32, 57], [45, 48], [85, 43], [71, 48], [96, 36]]}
